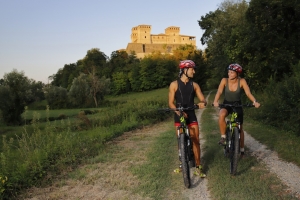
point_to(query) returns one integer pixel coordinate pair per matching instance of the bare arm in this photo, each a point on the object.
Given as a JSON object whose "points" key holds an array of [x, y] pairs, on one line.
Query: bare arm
{"points": [[246, 88], [219, 92], [172, 90], [200, 95]]}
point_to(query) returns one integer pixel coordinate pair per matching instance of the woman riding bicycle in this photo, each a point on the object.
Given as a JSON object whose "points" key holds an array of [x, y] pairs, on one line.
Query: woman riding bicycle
{"points": [[183, 91], [233, 85]]}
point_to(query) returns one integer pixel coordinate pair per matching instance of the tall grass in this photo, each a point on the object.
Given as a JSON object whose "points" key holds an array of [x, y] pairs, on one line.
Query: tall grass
{"points": [[46, 149]]}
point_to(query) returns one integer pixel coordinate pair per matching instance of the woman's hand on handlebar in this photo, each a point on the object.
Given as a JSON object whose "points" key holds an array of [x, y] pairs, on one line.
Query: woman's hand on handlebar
{"points": [[215, 104], [201, 104]]}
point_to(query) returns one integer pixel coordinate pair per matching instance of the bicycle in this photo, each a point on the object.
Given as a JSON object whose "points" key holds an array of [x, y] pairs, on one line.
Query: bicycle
{"points": [[185, 145], [233, 131]]}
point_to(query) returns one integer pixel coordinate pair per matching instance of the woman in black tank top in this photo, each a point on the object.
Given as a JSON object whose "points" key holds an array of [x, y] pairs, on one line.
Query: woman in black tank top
{"points": [[233, 86]]}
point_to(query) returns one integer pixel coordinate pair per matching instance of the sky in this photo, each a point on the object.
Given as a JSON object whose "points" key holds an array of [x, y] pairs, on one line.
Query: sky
{"points": [[39, 37]]}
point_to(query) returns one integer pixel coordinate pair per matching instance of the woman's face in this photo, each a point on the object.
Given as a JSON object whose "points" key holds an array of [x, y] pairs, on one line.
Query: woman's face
{"points": [[232, 74]]}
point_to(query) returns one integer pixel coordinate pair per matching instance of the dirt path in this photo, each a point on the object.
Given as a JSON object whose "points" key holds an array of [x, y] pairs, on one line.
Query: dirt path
{"points": [[287, 172], [199, 188]]}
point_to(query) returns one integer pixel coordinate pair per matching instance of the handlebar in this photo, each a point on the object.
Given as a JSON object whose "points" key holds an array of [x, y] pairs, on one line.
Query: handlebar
{"points": [[180, 108], [234, 105]]}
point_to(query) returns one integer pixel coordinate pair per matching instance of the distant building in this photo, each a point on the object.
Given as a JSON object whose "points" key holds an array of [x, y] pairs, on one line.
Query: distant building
{"points": [[143, 42]]}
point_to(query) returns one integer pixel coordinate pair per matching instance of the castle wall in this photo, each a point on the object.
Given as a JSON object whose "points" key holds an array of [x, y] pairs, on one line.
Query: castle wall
{"points": [[143, 42]]}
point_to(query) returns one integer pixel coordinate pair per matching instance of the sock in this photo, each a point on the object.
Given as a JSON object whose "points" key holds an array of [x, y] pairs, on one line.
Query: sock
{"points": [[223, 136], [242, 149]]}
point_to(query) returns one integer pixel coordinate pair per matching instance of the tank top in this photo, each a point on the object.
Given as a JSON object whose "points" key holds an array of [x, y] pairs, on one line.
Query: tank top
{"points": [[232, 95], [185, 93]]}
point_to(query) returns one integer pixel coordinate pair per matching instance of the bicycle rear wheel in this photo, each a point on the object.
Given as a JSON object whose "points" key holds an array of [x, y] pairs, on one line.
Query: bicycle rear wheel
{"points": [[184, 160], [235, 151]]}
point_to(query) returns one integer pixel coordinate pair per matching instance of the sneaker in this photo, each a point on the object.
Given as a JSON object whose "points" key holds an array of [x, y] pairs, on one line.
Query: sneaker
{"points": [[198, 172], [222, 141], [179, 169]]}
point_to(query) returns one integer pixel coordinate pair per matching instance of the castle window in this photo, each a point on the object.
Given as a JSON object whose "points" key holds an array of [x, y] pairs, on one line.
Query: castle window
{"points": [[145, 36], [145, 31]]}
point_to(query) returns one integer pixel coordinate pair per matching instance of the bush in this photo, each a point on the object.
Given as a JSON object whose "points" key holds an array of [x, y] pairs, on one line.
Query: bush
{"points": [[281, 103]]}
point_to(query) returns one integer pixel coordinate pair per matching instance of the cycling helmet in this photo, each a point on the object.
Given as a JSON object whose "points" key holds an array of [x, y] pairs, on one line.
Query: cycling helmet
{"points": [[187, 64], [235, 67]]}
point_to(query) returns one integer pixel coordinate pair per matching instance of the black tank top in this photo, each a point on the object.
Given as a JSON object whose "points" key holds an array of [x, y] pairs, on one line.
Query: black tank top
{"points": [[185, 93]]}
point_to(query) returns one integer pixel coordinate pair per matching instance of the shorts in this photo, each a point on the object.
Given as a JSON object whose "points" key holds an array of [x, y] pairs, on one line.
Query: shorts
{"points": [[239, 110], [190, 121]]}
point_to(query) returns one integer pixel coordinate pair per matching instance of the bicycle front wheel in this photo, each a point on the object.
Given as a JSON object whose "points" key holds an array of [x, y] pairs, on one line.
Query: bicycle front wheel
{"points": [[184, 160], [235, 151]]}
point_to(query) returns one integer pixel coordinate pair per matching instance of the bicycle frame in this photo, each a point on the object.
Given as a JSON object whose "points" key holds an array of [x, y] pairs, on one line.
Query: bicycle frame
{"points": [[233, 131]]}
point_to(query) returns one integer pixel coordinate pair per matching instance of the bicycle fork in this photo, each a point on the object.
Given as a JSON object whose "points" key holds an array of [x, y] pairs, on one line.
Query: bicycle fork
{"points": [[189, 144]]}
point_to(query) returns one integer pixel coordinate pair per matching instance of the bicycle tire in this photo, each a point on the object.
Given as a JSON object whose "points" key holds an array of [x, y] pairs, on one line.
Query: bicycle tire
{"points": [[235, 152], [184, 160], [226, 147]]}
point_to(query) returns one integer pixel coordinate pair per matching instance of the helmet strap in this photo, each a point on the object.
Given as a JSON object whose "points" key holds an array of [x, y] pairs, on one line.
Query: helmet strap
{"points": [[186, 74]]}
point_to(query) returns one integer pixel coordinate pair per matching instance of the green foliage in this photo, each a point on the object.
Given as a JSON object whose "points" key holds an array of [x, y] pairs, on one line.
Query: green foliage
{"points": [[281, 103], [134, 79], [120, 83], [15, 93], [57, 97], [79, 91]]}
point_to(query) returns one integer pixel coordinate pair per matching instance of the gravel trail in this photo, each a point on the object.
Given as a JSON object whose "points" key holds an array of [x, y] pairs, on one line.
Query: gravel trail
{"points": [[287, 172]]}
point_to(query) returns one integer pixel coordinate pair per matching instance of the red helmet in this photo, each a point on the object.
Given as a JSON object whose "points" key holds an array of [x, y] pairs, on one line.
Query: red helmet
{"points": [[235, 67], [187, 64]]}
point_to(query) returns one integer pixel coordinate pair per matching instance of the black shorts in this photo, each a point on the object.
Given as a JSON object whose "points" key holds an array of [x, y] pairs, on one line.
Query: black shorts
{"points": [[239, 110], [190, 121]]}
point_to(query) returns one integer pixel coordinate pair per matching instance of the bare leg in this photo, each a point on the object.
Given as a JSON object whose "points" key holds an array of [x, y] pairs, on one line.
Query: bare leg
{"points": [[222, 123], [194, 133]]}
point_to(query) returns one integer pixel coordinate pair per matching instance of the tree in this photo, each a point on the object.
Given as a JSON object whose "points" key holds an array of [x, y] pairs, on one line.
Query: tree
{"points": [[79, 91], [225, 34], [274, 39], [94, 62], [120, 83], [14, 96], [98, 86], [134, 78], [57, 97]]}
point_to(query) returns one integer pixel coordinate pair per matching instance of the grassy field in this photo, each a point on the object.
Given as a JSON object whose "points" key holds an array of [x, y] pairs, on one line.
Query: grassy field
{"points": [[30, 152]]}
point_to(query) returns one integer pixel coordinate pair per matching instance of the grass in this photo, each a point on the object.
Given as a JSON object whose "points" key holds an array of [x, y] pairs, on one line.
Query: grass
{"points": [[253, 180], [41, 147], [284, 143], [154, 175]]}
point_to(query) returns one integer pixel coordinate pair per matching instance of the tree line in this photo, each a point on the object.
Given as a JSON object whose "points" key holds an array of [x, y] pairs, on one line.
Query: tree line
{"points": [[263, 37]]}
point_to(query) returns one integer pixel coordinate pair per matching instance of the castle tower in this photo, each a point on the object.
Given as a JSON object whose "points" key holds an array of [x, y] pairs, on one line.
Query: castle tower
{"points": [[141, 34], [173, 35]]}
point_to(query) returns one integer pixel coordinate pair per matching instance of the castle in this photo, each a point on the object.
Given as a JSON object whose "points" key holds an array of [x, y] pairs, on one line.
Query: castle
{"points": [[143, 42]]}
